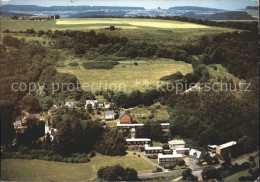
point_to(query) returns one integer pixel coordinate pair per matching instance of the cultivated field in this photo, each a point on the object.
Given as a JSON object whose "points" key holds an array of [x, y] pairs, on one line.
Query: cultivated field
{"points": [[127, 23], [153, 30], [38, 170], [127, 75]]}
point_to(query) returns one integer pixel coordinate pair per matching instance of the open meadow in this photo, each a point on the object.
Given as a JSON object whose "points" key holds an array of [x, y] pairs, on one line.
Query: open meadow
{"points": [[38, 170], [127, 75]]}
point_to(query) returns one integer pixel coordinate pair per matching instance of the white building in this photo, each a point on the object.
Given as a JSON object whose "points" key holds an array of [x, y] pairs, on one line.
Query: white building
{"points": [[93, 103], [182, 150], [50, 130], [169, 159], [153, 150], [128, 126], [195, 155], [70, 105], [138, 142], [174, 144]]}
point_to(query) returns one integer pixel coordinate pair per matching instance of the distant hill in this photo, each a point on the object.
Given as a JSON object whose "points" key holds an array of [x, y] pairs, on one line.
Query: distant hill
{"points": [[230, 15], [11, 14], [97, 13], [252, 8], [195, 8], [63, 8]]}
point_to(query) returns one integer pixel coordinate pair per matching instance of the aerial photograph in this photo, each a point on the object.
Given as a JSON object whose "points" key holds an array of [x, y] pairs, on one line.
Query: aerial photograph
{"points": [[129, 90]]}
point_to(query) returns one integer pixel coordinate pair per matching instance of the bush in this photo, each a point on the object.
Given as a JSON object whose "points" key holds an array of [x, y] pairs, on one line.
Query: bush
{"points": [[158, 169], [99, 65], [152, 156], [73, 64], [92, 154], [171, 167]]}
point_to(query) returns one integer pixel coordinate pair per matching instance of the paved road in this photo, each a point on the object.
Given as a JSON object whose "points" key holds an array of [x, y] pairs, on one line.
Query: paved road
{"points": [[196, 171]]}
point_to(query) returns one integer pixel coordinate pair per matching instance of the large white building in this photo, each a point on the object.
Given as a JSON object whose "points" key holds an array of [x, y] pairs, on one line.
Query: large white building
{"points": [[174, 144]]}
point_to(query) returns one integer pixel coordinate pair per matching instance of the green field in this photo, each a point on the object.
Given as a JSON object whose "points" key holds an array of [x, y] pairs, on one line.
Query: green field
{"points": [[164, 31], [38, 170], [127, 75]]}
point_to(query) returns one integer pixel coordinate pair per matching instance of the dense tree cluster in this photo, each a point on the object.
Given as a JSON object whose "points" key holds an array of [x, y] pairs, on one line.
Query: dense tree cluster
{"points": [[117, 173], [152, 130], [112, 143], [188, 176]]}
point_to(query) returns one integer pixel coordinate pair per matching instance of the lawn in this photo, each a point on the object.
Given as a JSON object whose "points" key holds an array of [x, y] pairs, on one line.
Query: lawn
{"points": [[38, 170], [126, 76]]}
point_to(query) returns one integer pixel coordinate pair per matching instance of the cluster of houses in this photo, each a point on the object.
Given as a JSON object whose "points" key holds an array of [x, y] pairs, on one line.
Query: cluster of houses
{"points": [[39, 17], [21, 121], [165, 157]]}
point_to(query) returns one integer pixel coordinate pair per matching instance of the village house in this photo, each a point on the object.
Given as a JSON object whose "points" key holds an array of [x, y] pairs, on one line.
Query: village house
{"points": [[70, 105], [19, 124], [39, 17], [165, 126], [109, 115], [138, 142], [225, 148], [93, 103], [174, 144], [182, 150], [107, 105], [212, 148], [50, 130], [53, 109], [195, 155], [100, 105], [125, 118], [169, 159], [153, 150]]}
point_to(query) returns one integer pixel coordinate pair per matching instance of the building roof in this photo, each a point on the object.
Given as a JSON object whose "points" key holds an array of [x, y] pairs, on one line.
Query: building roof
{"points": [[212, 146], [109, 114], [165, 124], [195, 153], [70, 104], [176, 142], [123, 113], [182, 149], [131, 125], [91, 102], [160, 156], [138, 139], [229, 144], [152, 148]]}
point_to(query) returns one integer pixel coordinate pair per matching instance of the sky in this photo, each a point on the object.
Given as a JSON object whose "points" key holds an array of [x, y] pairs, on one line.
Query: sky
{"points": [[148, 4]]}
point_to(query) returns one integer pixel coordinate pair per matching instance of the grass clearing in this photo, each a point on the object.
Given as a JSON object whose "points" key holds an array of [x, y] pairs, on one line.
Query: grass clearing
{"points": [[38, 170], [127, 75], [141, 114]]}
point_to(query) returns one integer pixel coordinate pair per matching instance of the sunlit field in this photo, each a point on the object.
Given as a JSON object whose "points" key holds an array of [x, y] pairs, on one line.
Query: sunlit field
{"points": [[39, 170]]}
